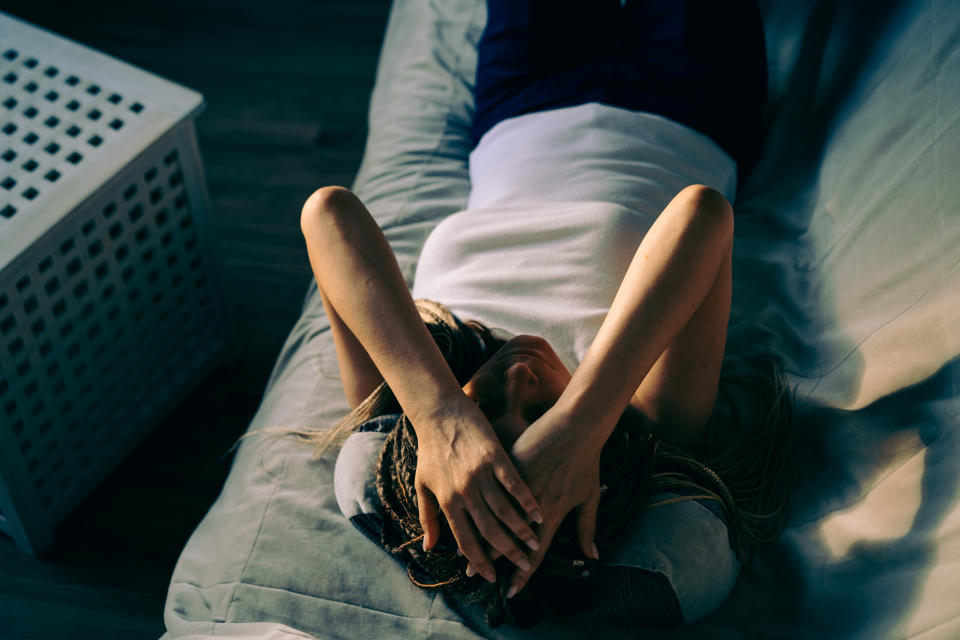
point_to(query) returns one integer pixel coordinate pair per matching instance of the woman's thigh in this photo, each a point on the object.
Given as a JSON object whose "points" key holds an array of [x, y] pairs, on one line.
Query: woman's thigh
{"points": [[699, 62]]}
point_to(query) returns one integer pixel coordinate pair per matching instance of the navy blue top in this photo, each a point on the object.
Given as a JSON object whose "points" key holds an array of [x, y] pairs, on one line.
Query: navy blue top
{"points": [[698, 62]]}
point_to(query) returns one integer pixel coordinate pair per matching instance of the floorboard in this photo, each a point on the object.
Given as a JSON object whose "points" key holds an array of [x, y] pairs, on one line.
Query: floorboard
{"points": [[286, 92]]}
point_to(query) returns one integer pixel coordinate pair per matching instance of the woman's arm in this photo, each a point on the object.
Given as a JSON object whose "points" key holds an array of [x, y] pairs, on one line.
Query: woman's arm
{"points": [[659, 348], [358, 375], [462, 467], [376, 326], [661, 345]]}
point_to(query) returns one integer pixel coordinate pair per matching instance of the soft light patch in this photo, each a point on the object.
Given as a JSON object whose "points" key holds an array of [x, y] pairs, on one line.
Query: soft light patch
{"points": [[885, 513]]}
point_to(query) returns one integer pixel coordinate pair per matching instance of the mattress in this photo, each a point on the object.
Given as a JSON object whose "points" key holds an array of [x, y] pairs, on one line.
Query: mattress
{"points": [[846, 264]]}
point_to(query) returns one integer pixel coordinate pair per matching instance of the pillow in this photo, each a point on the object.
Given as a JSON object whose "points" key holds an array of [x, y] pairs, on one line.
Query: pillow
{"points": [[675, 565]]}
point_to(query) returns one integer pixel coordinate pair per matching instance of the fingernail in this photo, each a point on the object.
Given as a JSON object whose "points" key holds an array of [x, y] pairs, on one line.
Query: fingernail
{"points": [[533, 544], [470, 571], [490, 576], [523, 563], [425, 545], [459, 552], [596, 553], [512, 591], [537, 517]]}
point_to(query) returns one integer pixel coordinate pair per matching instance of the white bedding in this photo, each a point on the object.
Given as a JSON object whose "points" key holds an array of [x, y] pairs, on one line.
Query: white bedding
{"points": [[847, 264]]}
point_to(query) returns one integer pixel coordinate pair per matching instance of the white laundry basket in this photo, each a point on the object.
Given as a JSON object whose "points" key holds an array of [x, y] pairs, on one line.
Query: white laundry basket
{"points": [[110, 305]]}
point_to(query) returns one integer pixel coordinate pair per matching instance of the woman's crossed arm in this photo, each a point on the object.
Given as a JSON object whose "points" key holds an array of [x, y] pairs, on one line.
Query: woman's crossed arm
{"points": [[462, 468], [659, 348]]}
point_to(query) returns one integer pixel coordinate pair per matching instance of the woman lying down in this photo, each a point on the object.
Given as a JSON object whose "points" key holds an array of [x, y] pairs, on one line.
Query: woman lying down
{"points": [[546, 431]]}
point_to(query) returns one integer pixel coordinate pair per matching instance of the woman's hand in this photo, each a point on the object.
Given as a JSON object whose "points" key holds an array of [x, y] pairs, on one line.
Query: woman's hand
{"points": [[463, 470], [563, 471]]}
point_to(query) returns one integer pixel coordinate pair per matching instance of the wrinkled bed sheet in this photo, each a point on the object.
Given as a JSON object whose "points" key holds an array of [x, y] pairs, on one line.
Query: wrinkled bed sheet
{"points": [[846, 264]]}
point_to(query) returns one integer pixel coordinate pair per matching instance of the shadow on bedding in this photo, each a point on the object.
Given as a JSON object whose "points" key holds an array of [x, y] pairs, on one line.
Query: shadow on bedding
{"points": [[877, 484], [776, 251]]}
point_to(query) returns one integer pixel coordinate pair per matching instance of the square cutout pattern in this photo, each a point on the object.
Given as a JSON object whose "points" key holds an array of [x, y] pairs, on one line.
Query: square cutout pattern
{"points": [[51, 123], [101, 325], [109, 308]]}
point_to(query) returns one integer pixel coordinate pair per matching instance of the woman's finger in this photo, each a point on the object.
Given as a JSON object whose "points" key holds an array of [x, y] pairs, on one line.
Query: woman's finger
{"points": [[469, 543], [507, 474], [428, 509], [503, 509], [494, 533]]}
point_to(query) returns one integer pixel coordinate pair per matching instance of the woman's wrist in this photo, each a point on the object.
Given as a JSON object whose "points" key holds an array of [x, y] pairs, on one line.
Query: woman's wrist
{"points": [[442, 413], [590, 419]]}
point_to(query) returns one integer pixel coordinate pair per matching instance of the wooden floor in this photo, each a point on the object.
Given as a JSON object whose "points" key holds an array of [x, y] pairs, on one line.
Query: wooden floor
{"points": [[286, 94]]}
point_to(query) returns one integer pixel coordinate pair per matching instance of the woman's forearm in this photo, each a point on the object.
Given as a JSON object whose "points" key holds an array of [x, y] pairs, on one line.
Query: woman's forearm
{"points": [[359, 376], [377, 329], [677, 276]]}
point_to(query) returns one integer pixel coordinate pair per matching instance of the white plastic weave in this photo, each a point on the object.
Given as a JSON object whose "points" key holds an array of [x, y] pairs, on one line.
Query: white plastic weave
{"points": [[109, 304]]}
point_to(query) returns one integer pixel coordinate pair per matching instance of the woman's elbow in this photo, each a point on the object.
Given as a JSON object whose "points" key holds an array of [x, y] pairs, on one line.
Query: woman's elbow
{"points": [[323, 207], [704, 217], [710, 208]]}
